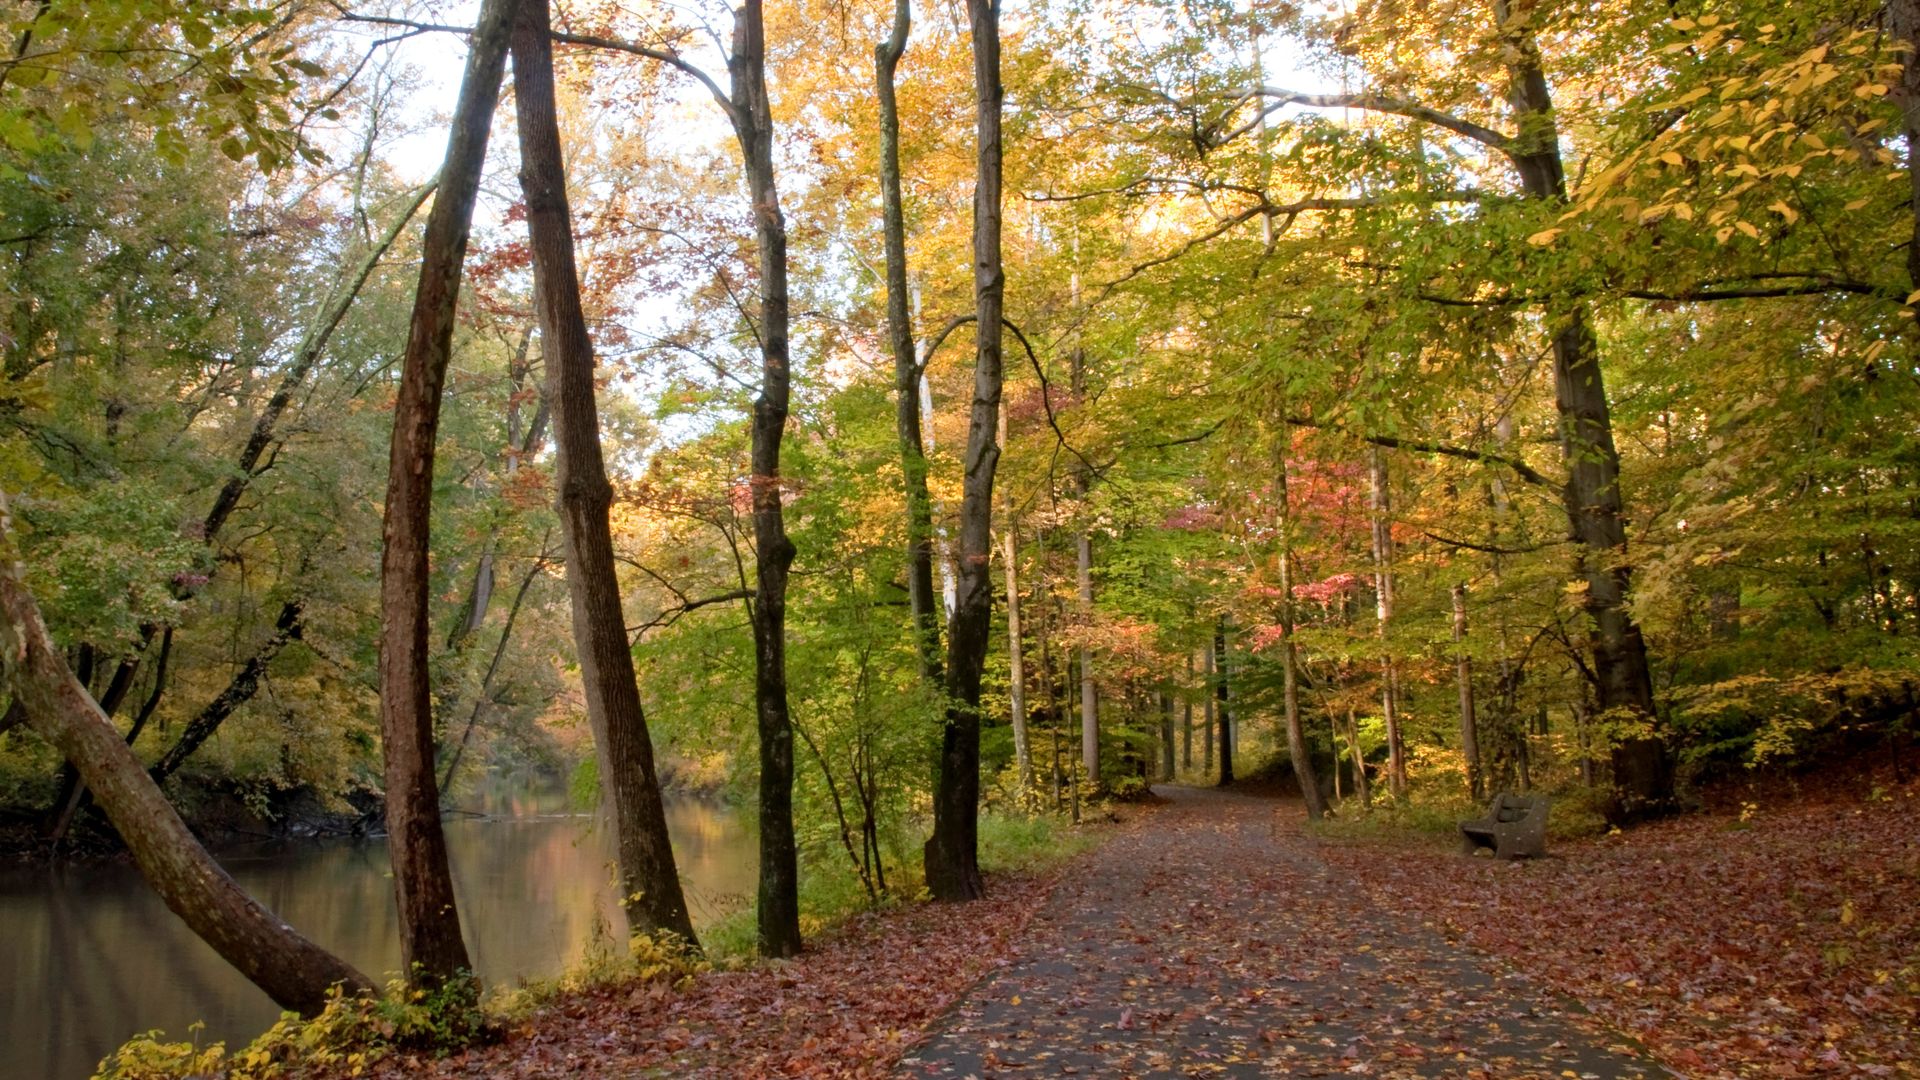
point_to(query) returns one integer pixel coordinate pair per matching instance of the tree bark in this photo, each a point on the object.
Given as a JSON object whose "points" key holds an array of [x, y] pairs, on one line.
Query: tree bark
{"points": [[1206, 717], [1167, 758], [240, 690], [431, 948], [1463, 675], [1089, 688], [1642, 771], [649, 883], [952, 852], [1903, 25], [1383, 607], [293, 971], [752, 116], [906, 365]]}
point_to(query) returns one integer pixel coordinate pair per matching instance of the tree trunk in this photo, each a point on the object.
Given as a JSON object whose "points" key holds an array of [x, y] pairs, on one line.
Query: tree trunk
{"points": [[1186, 721], [1166, 736], [1903, 25], [240, 690], [293, 971], [1463, 675], [431, 948], [1383, 607], [1303, 770], [906, 366], [752, 116], [1224, 712], [649, 884], [1016, 662], [1642, 772], [1089, 689], [1360, 783], [1206, 718], [952, 855]]}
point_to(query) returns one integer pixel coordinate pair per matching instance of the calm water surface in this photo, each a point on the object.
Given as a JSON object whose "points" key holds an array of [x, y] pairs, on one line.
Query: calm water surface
{"points": [[89, 956]]}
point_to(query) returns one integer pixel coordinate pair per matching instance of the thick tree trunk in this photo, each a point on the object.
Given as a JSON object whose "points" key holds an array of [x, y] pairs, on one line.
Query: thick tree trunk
{"points": [[1463, 676], [294, 972], [1383, 607], [952, 852], [906, 365], [1642, 772], [752, 115], [649, 884], [432, 950]]}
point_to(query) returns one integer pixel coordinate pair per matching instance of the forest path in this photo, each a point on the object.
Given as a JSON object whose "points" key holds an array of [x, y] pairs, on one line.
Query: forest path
{"points": [[1214, 941]]}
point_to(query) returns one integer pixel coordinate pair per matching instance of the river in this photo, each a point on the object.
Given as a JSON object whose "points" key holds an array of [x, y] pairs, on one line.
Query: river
{"points": [[89, 956]]}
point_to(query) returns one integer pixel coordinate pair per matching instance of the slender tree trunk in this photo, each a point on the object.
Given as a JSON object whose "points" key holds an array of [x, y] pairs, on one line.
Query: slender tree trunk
{"points": [[1186, 720], [752, 116], [1463, 675], [485, 695], [1206, 719], [240, 690], [1903, 25], [649, 884], [952, 853], [1016, 662], [1303, 770], [1224, 712], [1167, 756], [293, 971], [1383, 607], [431, 948], [1089, 688], [906, 365], [1361, 786], [1642, 771]]}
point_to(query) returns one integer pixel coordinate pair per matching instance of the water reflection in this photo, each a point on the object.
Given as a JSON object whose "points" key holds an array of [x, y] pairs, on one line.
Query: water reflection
{"points": [[89, 956]]}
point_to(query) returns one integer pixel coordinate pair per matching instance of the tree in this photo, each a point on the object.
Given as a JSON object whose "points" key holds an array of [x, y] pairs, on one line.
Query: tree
{"points": [[293, 971], [648, 881], [431, 946], [952, 852]]}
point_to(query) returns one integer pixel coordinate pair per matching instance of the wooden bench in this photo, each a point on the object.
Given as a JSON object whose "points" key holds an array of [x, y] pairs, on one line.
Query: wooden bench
{"points": [[1515, 825]]}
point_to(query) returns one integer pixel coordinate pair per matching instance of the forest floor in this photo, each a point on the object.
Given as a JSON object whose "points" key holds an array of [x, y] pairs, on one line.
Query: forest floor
{"points": [[1217, 942], [1214, 936]]}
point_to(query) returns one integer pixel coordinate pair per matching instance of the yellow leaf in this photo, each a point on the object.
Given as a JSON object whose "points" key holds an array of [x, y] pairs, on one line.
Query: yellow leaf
{"points": [[1748, 228], [1544, 237], [1857, 204], [1785, 211], [1912, 296], [1673, 159], [1683, 211], [1812, 141]]}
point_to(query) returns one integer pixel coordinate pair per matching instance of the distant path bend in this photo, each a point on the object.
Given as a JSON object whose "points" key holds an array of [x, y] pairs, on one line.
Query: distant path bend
{"points": [[1214, 942]]}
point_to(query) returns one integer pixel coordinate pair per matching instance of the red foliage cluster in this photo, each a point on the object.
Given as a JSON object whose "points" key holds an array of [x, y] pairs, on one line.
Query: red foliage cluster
{"points": [[1784, 945], [849, 1007]]}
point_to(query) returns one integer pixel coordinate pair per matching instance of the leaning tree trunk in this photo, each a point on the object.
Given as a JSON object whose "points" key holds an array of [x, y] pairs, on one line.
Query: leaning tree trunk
{"points": [[952, 852], [1642, 772], [294, 972], [752, 116], [649, 884], [906, 366], [431, 947]]}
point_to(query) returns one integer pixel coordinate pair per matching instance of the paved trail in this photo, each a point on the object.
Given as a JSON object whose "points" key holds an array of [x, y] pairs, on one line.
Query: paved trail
{"points": [[1213, 941]]}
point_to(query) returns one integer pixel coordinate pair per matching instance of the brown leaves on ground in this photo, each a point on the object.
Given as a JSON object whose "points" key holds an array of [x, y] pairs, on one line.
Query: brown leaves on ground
{"points": [[1783, 945], [847, 1007]]}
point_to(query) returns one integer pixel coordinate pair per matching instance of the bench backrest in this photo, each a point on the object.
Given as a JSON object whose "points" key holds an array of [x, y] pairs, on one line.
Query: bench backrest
{"points": [[1508, 809]]}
